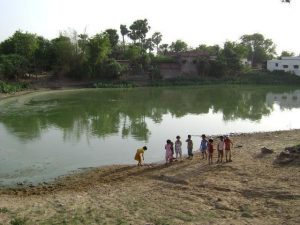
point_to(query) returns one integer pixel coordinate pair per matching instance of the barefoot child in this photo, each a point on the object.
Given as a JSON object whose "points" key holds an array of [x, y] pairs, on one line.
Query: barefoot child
{"points": [[178, 150], [139, 155], [210, 151], [203, 146], [220, 148], [227, 143]]}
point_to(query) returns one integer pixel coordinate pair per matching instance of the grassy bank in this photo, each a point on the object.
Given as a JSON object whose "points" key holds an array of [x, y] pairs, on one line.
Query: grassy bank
{"points": [[12, 87], [246, 78]]}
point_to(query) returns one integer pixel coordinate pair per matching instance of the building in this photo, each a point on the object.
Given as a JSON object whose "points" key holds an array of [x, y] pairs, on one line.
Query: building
{"points": [[287, 64]]}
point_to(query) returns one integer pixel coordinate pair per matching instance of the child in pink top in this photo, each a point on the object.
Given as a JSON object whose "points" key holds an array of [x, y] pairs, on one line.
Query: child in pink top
{"points": [[169, 154]]}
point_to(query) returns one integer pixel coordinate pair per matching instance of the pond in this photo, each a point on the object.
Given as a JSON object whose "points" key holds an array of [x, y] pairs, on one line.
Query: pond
{"points": [[48, 134]]}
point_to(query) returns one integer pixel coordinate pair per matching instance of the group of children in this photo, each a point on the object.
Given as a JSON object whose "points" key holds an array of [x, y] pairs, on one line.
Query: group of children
{"points": [[206, 150]]}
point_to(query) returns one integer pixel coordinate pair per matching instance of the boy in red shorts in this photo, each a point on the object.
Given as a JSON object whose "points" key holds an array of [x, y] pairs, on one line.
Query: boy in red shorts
{"points": [[210, 151]]}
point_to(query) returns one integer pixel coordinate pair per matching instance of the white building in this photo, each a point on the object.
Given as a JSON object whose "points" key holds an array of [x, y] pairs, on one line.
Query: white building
{"points": [[287, 64]]}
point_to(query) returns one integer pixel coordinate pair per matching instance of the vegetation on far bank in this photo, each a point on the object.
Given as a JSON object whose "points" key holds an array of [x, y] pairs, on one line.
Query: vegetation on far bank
{"points": [[12, 87], [106, 56]]}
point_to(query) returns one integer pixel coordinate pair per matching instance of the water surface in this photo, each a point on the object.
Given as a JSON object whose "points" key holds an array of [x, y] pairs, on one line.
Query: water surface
{"points": [[44, 135]]}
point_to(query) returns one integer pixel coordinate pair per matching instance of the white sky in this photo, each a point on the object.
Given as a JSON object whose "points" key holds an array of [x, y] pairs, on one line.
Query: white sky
{"points": [[193, 21]]}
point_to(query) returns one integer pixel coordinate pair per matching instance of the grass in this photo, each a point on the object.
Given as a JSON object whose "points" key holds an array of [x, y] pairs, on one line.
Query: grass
{"points": [[18, 221], [4, 210], [250, 77], [113, 84]]}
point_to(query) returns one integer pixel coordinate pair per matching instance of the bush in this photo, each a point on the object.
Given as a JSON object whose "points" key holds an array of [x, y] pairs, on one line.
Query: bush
{"points": [[13, 66], [11, 88], [113, 85], [163, 59]]}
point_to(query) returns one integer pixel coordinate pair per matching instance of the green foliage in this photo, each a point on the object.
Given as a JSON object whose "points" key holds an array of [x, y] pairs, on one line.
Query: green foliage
{"points": [[286, 54], [113, 37], [112, 69], [4, 210], [156, 39], [213, 50], [18, 221], [139, 30], [178, 46], [99, 48], [62, 52], [113, 85], [11, 88], [259, 48], [13, 66], [24, 44], [163, 59]]}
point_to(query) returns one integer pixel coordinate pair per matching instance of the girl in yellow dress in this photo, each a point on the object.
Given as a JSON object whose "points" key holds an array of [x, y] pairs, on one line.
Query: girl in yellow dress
{"points": [[139, 155]]}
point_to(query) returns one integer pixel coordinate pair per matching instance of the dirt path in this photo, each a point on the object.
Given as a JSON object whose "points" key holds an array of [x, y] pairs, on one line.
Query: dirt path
{"points": [[249, 190]]}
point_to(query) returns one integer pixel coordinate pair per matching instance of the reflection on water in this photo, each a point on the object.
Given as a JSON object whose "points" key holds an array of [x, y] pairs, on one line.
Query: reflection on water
{"points": [[64, 130]]}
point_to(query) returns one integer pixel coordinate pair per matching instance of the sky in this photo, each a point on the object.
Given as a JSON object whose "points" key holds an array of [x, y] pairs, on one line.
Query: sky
{"points": [[193, 21]]}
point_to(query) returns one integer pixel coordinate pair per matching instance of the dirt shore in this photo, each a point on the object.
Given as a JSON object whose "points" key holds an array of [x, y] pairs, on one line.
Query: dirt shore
{"points": [[249, 190]]}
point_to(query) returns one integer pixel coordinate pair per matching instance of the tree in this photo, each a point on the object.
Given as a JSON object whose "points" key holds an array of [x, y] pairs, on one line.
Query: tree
{"points": [[164, 48], [12, 66], [156, 39], [24, 44], [62, 51], [139, 30], [100, 48], [148, 45], [286, 54], [124, 31], [42, 56], [213, 50], [259, 48], [178, 46], [232, 56], [113, 37]]}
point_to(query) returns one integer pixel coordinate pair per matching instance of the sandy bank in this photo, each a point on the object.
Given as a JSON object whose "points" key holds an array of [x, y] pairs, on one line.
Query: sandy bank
{"points": [[250, 190]]}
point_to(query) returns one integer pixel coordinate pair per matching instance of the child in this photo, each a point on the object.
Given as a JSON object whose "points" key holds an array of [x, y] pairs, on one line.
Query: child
{"points": [[139, 155], [227, 143], [203, 146], [169, 155], [190, 147], [178, 150], [220, 148], [172, 149], [210, 151]]}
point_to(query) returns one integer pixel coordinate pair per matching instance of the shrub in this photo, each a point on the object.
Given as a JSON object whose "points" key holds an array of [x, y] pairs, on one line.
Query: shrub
{"points": [[13, 66]]}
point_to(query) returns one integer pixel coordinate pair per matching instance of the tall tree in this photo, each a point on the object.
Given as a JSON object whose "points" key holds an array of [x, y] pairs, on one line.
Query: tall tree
{"points": [[164, 48], [100, 48], [113, 37], [259, 48], [24, 44], [139, 30], [124, 31], [178, 46], [156, 39]]}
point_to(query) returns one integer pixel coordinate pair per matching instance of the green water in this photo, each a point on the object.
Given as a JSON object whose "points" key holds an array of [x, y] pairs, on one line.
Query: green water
{"points": [[45, 135]]}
